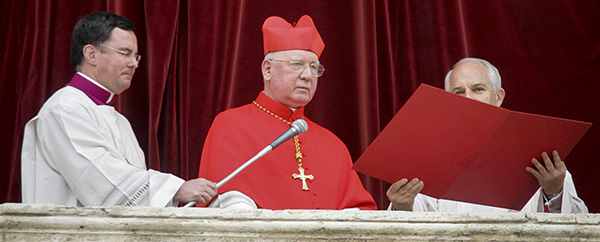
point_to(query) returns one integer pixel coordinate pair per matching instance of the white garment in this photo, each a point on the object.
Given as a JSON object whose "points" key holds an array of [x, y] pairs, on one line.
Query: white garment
{"points": [[238, 200], [77, 153], [567, 202], [233, 200]]}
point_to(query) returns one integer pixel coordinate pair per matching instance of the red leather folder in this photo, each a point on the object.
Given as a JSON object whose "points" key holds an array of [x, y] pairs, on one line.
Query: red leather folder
{"points": [[466, 150]]}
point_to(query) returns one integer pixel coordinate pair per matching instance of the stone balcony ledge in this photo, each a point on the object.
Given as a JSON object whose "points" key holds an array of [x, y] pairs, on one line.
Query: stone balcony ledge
{"points": [[29, 222]]}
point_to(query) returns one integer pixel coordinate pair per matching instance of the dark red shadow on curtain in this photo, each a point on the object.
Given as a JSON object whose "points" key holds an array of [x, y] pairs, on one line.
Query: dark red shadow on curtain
{"points": [[202, 57]]}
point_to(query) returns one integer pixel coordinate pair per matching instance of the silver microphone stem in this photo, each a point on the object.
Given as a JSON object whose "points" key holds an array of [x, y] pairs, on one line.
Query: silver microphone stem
{"points": [[298, 127], [238, 170]]}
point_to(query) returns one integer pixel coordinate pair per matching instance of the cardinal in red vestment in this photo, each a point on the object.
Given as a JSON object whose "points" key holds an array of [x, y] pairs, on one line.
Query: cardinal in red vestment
{"points": [[310, 171]]}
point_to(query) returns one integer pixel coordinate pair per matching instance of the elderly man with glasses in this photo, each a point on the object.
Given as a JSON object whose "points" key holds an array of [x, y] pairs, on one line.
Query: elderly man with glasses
{"points": [[310, 171], [78, 150]]}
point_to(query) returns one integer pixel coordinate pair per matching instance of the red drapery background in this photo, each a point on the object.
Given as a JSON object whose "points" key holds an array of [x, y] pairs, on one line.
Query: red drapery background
{"points": [[202, 57]]}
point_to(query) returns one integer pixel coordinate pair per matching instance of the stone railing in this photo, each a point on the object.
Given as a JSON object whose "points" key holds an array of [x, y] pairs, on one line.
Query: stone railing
{"points": [[25, 222]]}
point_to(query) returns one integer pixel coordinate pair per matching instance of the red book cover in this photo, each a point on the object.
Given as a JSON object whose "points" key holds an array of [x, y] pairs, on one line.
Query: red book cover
{"points": [[466, 150]]}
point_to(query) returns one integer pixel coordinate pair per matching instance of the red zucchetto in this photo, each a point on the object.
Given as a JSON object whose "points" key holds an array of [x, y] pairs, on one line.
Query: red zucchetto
{"points": [[278, 35]]}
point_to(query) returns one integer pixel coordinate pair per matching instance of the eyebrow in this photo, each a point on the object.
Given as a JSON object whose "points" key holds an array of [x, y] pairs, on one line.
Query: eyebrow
{"points": [[296, 57], [457, 88], [125, 49], [131, 51], [478, 84]]}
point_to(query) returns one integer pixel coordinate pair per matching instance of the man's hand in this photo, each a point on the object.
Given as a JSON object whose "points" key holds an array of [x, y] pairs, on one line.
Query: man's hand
{"points": [[402, 193], [550, 175], [199, 189]]}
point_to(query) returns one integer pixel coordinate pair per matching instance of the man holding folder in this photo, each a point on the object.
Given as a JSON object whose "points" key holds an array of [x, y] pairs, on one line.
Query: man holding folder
{"points": [[479, 80]]}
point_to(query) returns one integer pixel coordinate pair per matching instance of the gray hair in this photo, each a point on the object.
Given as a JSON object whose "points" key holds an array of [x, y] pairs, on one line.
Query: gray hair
{"points": [[273, 55], [493, 73]]}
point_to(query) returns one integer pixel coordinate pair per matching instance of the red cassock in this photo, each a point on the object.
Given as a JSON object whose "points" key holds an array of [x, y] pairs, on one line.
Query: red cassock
{"points": [[238, 134]]}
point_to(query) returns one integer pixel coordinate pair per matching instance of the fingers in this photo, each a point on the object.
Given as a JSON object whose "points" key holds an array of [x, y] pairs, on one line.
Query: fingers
{"points": [[413, 187], [534, 172], [402, 187], [204, 197], [549, 165], [199, 189], [210, 184], [212, 187], [207, 188], [558, 163], [402, 193], [540, 168], [556, 157], [550, 174], [547, 162], [416, 188], [398, 185]]}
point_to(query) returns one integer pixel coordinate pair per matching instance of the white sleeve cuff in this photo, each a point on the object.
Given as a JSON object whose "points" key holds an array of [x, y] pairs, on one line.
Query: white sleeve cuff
{"points": [[553, 205]]}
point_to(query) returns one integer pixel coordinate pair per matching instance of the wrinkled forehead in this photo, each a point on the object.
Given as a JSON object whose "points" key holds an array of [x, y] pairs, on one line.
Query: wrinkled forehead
{"points": [[304, 55], [470, 73]]}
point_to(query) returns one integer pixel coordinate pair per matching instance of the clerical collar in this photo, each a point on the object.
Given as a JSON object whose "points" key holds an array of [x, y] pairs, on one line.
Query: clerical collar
{"points": [[281, 110], [94, 90]]}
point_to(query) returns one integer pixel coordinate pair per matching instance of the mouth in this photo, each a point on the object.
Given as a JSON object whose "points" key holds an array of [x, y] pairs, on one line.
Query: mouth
{"points": [[303, 89], [127, 75]]}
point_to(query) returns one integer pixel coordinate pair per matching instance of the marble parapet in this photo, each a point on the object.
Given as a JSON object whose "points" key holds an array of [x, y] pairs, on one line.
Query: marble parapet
{"points": [[28, 222]]}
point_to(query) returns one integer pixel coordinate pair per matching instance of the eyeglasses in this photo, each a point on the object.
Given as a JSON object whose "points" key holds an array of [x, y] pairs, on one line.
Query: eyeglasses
{"points": [[315, 68], [136, 56]]}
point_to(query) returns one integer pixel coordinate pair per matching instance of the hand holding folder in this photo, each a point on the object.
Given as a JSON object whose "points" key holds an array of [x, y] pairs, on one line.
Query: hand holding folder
{"points": [[467, 150]]}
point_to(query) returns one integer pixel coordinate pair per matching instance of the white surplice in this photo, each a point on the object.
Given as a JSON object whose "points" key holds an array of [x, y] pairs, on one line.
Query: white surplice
{"points": [[567, 202], [78, 153]]}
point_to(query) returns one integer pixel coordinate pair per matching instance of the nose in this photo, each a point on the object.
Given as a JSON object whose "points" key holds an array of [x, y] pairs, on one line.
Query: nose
{"points": [[306, 72], [469, 94], [134, 63], [135, 59]]}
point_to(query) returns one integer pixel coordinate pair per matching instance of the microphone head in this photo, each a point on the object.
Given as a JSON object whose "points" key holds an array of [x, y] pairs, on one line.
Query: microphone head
{"points": [[300, 125]]}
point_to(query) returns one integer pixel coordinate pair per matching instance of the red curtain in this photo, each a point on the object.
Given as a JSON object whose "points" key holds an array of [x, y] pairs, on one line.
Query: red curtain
{"points": [[202, 57]]}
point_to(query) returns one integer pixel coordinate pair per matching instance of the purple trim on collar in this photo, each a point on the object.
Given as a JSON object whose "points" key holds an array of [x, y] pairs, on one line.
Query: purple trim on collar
{"points": [[94, 92]]}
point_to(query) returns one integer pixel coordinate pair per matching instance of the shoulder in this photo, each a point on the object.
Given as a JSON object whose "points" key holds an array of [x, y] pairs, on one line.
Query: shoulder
{"points": [[237, 114], [233, 117], [69, 103], [321, 132], [66, 98]]}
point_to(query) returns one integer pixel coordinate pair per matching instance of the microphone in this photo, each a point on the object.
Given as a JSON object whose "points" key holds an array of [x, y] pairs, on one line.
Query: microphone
{"points": [[298, 127]]}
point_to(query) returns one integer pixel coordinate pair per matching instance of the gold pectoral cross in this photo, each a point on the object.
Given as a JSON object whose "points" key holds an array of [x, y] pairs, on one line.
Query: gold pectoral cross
{"points": [[302, 177]]}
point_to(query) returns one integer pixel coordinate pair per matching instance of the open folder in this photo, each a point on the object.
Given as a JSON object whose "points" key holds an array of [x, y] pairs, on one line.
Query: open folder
{"points": [[466, 150]]}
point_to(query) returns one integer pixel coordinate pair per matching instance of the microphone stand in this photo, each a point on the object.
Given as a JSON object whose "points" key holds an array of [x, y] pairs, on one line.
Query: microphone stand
{"points": [[238, 170], [299, 126]]}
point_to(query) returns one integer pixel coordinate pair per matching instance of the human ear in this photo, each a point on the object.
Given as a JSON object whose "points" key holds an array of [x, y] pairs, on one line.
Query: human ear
{"points": [[266, 69], [500, 97], [90, 54]]}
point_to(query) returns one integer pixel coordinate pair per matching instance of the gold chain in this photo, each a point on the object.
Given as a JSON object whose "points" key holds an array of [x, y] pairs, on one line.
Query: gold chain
{"points": [[303, 177], [296, 141]]}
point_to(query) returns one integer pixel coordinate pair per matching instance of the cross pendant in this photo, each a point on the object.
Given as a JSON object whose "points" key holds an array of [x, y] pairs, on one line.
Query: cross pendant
{"points": [[302, 177]]}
